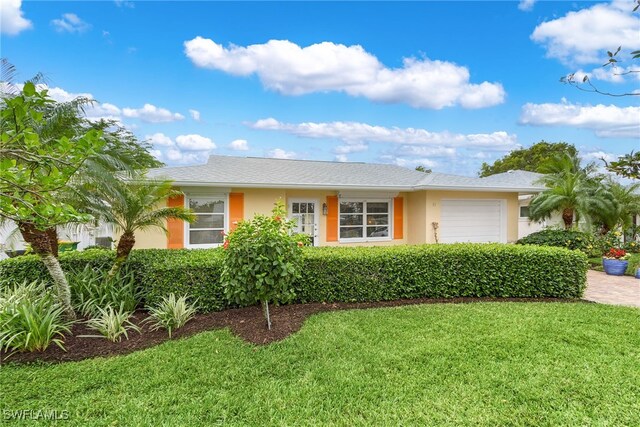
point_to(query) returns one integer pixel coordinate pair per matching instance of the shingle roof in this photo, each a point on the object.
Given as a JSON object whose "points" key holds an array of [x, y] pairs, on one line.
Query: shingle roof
{"points": [[518, 178], [278, 173]]}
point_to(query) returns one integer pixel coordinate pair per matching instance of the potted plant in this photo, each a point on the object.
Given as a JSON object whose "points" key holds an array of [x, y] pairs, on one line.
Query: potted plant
{"points": [[615, 261]]}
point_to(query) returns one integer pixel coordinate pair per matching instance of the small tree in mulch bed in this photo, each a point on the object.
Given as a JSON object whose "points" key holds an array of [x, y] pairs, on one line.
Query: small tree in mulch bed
{"points": [[262, 259]]}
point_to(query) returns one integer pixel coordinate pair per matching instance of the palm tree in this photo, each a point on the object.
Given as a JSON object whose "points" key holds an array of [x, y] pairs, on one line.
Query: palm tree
{"points": [[572, 190], [627, 206], [132, 205]]}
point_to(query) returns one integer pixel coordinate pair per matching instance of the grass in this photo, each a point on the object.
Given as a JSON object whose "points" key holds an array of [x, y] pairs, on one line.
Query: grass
{"points": [[486, 364], [634, 264]]}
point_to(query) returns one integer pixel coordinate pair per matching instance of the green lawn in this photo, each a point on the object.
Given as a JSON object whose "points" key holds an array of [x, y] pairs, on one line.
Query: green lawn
{"points": [[475, 364]]}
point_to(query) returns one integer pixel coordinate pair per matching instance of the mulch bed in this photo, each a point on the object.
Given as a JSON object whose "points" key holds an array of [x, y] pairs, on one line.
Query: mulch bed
{"points": [[247, 323]]}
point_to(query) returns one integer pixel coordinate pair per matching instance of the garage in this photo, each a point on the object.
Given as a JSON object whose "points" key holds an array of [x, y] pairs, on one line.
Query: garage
{"points": [[478, 221]]}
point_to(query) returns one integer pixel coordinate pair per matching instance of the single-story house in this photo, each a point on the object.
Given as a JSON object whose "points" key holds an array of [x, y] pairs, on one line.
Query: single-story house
{"points": [[342, 203]]}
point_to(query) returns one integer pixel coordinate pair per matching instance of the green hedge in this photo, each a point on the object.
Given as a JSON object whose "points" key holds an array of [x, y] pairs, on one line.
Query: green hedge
{"points": [[441, 271], [570, 239], [355, 274]]}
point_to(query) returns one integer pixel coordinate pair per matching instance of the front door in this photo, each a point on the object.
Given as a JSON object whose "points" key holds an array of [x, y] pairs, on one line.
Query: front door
{"points": [[305, 212]]}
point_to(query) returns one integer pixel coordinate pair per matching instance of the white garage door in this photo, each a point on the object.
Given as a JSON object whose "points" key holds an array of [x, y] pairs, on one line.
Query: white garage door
{"points": [[477, 221]]}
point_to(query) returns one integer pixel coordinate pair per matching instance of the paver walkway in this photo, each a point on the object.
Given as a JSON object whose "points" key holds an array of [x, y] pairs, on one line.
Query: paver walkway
{"points": [[618, 290]]}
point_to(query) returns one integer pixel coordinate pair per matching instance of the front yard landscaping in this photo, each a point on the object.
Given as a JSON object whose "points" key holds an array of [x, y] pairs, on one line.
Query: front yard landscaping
{"points": [[450, 364]]}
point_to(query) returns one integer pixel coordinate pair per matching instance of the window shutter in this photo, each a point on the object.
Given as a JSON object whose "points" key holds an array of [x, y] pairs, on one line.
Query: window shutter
{"points": [[398, 217], [175, 227], [332, 218], [236, 209]]}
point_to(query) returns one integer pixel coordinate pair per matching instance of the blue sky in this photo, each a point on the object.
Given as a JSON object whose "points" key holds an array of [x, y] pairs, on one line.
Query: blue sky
{"points": [[443, 84]]}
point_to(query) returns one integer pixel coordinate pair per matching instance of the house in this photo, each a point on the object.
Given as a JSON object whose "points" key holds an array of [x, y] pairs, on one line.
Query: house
{"points": [[526, 226], [342, 203]]}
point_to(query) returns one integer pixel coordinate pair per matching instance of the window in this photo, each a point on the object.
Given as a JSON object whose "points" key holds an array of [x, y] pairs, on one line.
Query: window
{"points": [[365, 220], [209, 225], [524, 211]]}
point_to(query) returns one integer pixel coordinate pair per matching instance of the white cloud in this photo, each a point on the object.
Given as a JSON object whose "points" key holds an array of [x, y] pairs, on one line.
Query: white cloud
{"points": [[70, 23], [609, 74], [526, 5], [176, 156], [411, 163], [239, 145], [195, 115], [159, 140], [148, 113], [151, 114], [354, 132], [186, 149], [598, 156], [608, 121], [581, 37], [194, 142], [289, 69], [356, 147], [341, 158], [279, 153], [12, 20]]}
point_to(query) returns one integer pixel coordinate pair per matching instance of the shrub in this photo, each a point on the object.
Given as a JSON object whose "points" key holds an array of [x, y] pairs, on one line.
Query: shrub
{"points": [[262, 260], [112, 324], [92, 288], [570, 239], [440, 271], [30, 319], [171, 313], [366, 274]]}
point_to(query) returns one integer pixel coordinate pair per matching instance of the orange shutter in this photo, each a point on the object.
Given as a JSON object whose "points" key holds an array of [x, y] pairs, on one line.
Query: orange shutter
{"points": [[332, 218], [236, 209], [175, 227], [398, 220]]}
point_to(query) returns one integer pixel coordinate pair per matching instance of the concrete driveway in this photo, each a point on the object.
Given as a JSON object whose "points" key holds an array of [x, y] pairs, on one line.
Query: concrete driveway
{"points": [[617, 290]]}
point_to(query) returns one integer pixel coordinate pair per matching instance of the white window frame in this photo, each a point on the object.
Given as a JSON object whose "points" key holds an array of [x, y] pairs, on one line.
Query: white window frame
{"points": [[187, 228], [364, 237]]}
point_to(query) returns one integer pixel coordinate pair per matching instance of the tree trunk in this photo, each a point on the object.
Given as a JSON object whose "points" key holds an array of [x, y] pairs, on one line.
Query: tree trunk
{"points": [[41, 245], [567, 217], [52, 233], [265, 310], [60, 283], [125, 245], [33, 236]]}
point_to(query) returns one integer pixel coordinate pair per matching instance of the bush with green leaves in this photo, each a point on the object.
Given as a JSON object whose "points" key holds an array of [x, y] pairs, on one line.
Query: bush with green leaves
{"points": [[111, 324], [261, 261], [332, 274], [92, 288], [570, 239], [170, 313], [30, 318], [362, 274]]}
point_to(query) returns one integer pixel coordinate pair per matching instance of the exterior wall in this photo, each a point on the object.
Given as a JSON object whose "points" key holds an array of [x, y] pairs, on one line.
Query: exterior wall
{"points": [[421, 209], [527, 226], [153, 238], [434, 200], [417, 227], [259, 200]]}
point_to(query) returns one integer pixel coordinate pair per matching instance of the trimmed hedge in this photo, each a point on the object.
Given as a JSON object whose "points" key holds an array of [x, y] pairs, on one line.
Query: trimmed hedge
{"points": [[570, 239], [441, 271], [354, 274]]}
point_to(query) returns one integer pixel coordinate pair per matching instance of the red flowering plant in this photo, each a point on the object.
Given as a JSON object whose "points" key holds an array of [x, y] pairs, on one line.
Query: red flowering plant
{"points": [[262, 260], [616, 253]]}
